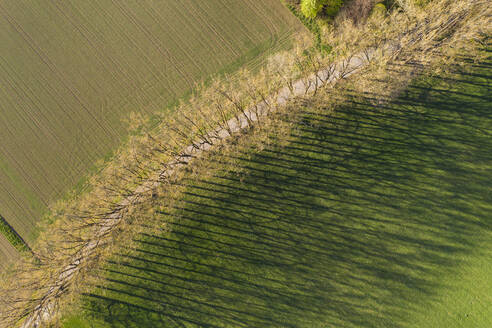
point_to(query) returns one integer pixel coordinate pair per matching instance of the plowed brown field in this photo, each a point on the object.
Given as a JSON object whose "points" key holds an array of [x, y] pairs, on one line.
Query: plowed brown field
{"points": [[72, 71]]}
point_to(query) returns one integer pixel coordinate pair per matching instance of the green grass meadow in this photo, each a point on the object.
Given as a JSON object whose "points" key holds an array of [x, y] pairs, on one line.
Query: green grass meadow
{"points": [[72, 72], [368, 217]]}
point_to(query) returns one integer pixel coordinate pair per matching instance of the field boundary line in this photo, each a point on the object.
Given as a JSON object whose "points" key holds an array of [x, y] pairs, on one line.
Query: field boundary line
{"points": [[301, 87], [421, 39]]}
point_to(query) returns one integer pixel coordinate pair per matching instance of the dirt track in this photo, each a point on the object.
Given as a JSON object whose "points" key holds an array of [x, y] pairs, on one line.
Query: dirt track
{"points": [[301, 87]]}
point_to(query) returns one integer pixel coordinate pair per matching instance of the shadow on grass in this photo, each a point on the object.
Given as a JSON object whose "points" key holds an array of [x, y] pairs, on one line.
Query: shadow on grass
{"points": [[351, 224]]}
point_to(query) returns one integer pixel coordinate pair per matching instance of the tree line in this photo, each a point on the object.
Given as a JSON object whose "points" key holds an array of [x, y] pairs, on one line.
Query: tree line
{"points": [[86, 230]]}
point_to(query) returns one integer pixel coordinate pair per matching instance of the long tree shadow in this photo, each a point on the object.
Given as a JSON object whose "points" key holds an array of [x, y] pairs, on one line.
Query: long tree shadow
{"points": [[350, 224]]}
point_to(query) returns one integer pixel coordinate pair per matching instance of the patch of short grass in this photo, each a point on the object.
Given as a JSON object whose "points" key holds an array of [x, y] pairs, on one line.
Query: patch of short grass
{"points": [[10, 234]]}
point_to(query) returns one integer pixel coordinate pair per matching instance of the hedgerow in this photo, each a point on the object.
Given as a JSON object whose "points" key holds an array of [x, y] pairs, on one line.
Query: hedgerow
{"points": [[88, 229]]}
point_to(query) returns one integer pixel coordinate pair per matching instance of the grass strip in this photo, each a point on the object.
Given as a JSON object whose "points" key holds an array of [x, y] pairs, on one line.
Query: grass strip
{"points": [[12, 236]]}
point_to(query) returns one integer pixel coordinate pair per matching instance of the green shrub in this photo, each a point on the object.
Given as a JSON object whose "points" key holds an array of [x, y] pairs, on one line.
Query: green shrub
{"points": [[379, 9], [332, 7], [311, 8]]}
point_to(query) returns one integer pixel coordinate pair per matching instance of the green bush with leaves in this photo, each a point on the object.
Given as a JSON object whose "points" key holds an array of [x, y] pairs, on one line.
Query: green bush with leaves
{"points": [[311, 8], [332, 7], [379, 9]]}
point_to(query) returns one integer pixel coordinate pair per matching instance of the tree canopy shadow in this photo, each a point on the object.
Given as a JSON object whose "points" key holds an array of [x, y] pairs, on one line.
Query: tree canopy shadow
{"points": [[348, 225]]}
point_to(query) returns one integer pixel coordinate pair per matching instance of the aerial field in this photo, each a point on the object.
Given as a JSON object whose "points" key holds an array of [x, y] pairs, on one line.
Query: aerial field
{"points": [[373, 216], [72, 72]]}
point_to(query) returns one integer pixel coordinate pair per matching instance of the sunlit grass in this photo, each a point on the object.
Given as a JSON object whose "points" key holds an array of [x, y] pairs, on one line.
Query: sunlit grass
{"points": [[369, 217]]}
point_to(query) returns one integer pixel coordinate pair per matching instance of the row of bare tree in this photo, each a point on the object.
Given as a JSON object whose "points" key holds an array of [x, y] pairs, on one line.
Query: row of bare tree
{"points": [[86, 230]]}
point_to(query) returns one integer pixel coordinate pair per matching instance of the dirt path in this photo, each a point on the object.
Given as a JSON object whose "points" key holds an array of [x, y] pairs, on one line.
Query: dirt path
{"points": [[47, 304]]}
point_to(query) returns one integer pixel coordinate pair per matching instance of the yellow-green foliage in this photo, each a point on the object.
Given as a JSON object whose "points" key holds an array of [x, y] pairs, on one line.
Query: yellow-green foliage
{"points": [[421, 3], [379, 10], [332, 7], [311, 8]]}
